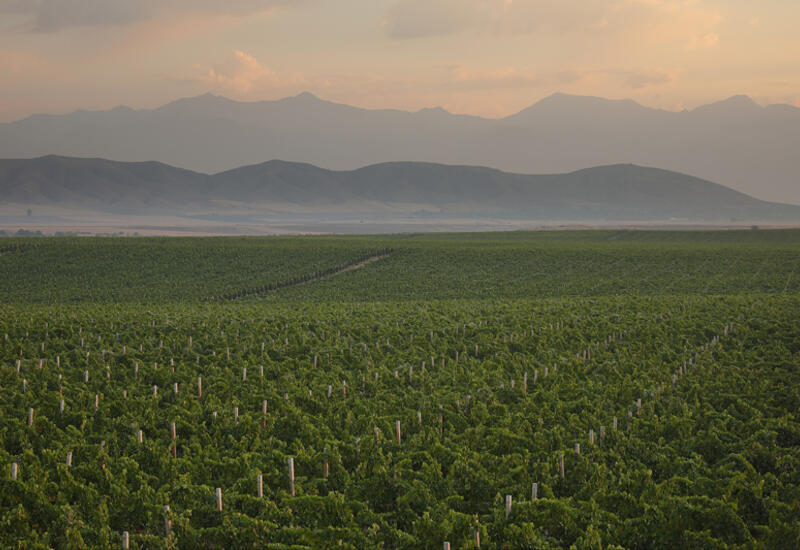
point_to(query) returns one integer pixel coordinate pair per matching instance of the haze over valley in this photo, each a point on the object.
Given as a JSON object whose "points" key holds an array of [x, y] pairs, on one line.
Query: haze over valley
{"points": [[64, 191]]}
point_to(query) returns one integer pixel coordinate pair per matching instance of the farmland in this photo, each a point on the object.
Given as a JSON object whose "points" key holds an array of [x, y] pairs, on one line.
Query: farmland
{"points": [[517, 390]]}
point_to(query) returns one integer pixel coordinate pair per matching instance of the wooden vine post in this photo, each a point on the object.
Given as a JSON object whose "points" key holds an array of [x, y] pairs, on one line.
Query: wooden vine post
{"points": [[167, 521], [291, 476]]}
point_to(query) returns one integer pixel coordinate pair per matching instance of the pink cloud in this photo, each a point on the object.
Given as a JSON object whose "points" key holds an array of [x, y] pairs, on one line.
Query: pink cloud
{"points": [[243, 74]]}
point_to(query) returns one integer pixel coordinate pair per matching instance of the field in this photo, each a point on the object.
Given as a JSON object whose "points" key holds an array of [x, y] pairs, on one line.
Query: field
{"points": [[597, 389]]}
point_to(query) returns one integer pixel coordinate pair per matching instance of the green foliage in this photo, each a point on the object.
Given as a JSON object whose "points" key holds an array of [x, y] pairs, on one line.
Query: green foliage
{"points": [[711, 459]]}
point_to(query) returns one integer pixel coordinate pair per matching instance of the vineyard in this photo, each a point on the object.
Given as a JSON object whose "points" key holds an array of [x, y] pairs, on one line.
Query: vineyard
{"points": [[517, 390]]}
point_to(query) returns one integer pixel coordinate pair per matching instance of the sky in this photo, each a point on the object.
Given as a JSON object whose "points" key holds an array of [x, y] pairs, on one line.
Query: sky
{"points": [[483, 57]]}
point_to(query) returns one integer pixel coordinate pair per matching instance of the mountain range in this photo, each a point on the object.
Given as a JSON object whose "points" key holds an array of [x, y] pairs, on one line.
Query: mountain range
{"points": [[735, 142], [615, 192]]}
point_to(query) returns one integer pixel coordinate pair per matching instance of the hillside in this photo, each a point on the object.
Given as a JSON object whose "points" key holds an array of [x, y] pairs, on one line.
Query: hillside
{"points": [[618, 192], [98, 184]]}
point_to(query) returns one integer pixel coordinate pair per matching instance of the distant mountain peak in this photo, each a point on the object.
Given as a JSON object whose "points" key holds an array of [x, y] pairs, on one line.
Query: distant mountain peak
{"points": [[208, 96], [736, 103], [564, 98], [307, 96], [739, 99], [561, 102], [311, 101], [205, 101]]}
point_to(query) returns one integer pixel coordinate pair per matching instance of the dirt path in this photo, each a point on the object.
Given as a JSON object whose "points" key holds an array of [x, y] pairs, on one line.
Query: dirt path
{"points": [[360, 265], [288, 284]]}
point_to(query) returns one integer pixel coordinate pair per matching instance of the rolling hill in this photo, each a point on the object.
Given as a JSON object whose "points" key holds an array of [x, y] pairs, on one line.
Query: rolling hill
{"points": [[616, 192]]}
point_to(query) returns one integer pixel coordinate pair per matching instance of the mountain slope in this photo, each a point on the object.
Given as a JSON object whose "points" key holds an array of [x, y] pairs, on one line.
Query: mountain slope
{"points": [[735, 142], [618, 192]]}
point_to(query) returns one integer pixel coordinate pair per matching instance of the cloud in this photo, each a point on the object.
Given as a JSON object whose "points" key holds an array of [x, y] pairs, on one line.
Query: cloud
{"points": [[646, 78], [24, 69], [407, 19], [27, 80], [421, 18], [710, 40], [464, 77], [55, 15], [16, 63], [242, 74]]}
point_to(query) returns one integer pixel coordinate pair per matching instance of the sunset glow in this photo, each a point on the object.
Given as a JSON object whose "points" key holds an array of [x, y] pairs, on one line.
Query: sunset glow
{"points": [[483, 57]]}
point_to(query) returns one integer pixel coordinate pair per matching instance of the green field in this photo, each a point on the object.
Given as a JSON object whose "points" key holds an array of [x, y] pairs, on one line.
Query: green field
{"points": [[660, 368]]}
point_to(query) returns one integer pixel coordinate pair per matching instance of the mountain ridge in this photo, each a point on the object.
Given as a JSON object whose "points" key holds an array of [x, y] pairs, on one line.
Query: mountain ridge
{"points": [[741, 99], [734, 142]]}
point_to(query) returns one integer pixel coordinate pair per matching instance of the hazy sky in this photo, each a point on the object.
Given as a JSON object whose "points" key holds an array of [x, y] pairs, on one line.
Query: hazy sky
{"points": [[485, 57]]}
